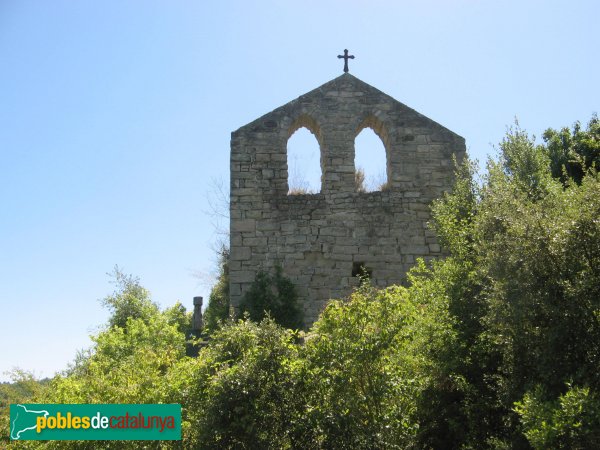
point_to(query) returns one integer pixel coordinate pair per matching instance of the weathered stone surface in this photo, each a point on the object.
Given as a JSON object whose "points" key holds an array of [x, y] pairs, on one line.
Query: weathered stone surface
{"points": [[318, 238]]}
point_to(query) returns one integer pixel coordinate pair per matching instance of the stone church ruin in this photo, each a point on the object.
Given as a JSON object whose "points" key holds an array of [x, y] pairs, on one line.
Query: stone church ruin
{"points": [[322, 240]]}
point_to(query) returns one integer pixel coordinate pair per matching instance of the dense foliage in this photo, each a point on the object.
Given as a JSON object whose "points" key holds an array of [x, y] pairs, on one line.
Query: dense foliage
{"points": [[528, 311], [495, 346], [573, 152]]}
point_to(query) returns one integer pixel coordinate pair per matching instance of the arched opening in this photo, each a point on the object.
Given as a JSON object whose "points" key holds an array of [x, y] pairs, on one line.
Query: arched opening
{"points": [[370, 162], [303, 162]]}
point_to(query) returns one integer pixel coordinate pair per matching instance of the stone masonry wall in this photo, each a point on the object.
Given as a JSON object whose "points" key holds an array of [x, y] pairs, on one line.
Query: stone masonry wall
{"points": [[319, 238]]}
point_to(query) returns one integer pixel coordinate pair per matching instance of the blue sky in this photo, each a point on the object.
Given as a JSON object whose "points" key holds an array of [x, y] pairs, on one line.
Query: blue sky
{"points": [[115, 118]]}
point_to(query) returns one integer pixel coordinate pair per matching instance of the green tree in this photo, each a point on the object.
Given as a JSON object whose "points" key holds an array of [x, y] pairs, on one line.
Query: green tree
{"points": [[573, 151], [178, 315], [274, 296], [218, 302], [526, 305], [130, 300]]}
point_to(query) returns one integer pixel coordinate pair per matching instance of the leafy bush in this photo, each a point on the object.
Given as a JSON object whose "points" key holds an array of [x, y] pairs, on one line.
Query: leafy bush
{"points": [[362, 372], [241, 391]]}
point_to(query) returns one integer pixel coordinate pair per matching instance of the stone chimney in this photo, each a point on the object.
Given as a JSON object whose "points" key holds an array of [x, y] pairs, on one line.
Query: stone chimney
{"points": [[197, 323]]}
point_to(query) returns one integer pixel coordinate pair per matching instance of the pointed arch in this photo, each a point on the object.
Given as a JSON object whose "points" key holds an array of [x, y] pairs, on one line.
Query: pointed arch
{"points": [[304, 157], [372, 156]]}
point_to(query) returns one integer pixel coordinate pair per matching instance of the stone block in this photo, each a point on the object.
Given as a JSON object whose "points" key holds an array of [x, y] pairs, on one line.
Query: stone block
{"points": [[243, 225], [434, 248], [241, 253]]}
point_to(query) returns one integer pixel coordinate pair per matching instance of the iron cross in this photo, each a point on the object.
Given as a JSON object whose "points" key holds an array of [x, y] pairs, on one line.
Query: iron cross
{"points": [[346, 58]]}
